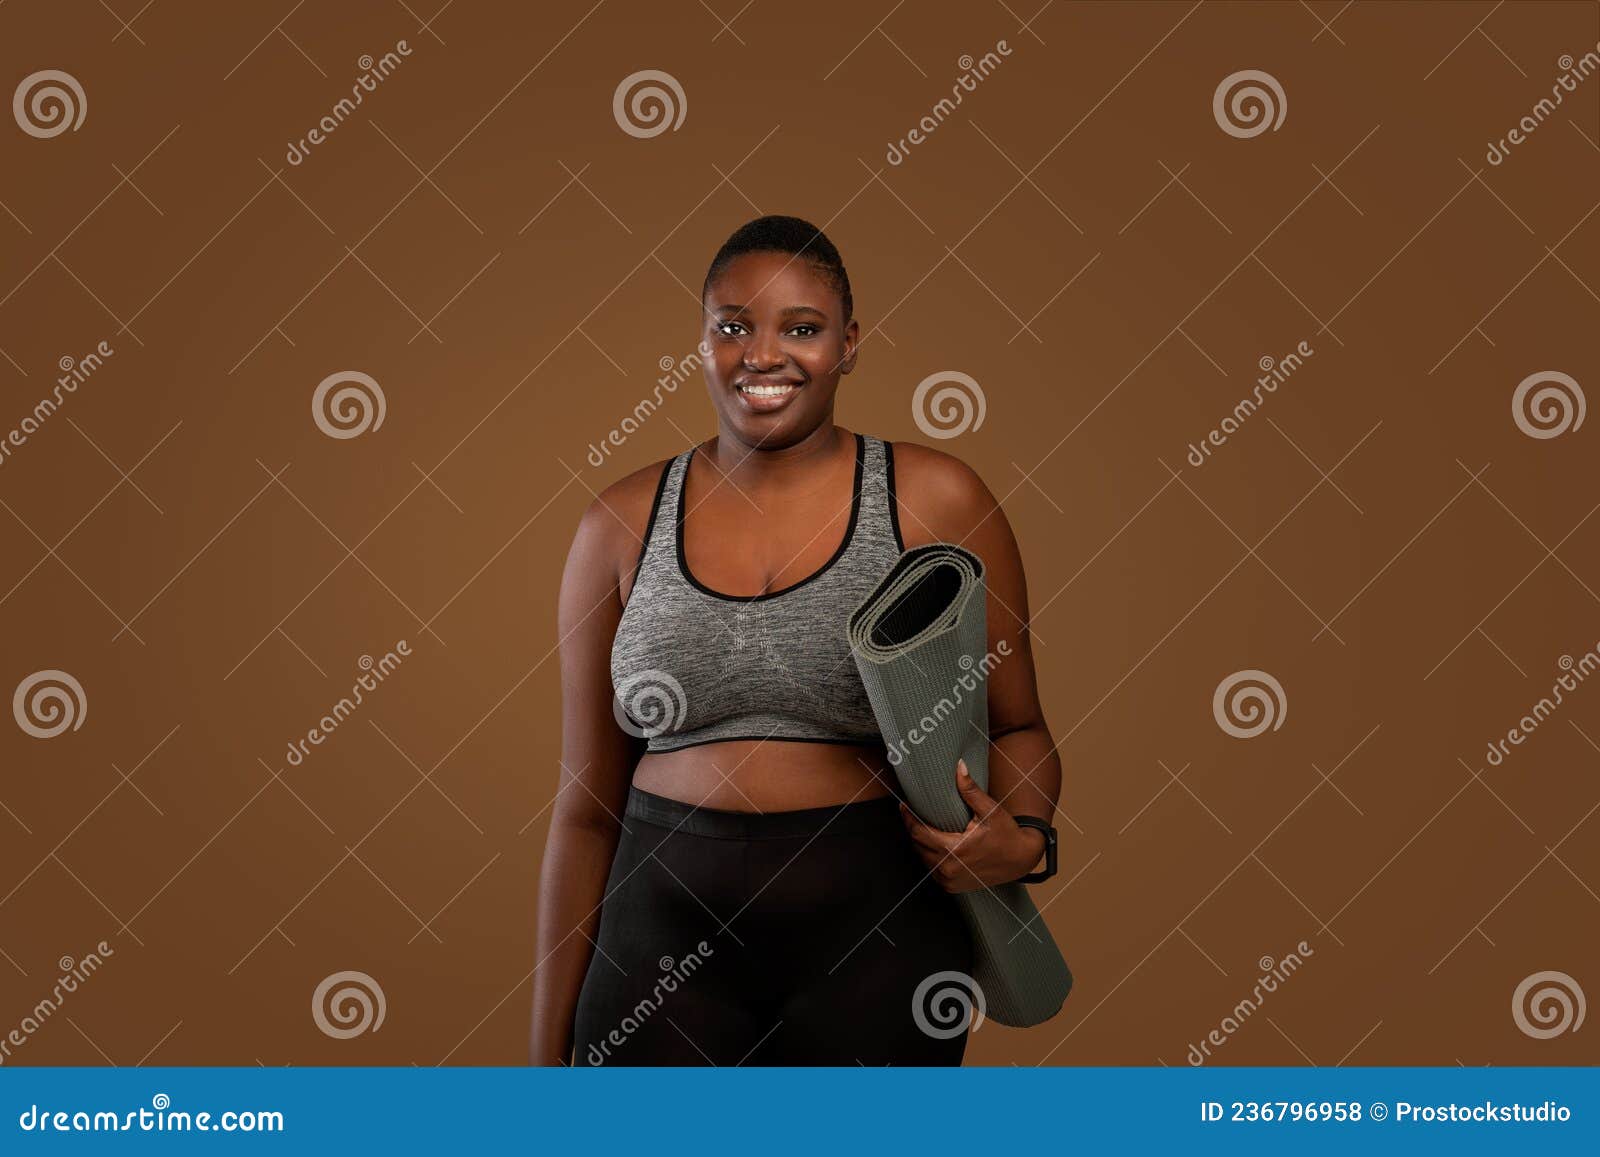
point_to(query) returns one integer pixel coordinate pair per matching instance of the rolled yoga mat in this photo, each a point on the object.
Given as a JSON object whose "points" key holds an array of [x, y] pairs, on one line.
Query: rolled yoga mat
{"points": [[920, 643]]}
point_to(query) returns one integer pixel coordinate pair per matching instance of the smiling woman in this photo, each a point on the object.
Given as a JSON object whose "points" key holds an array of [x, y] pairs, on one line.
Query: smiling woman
{"points": [[726, 793]]}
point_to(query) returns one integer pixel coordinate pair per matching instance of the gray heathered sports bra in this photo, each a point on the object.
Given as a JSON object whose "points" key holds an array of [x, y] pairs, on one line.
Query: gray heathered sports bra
{"points": [[690, 665]]}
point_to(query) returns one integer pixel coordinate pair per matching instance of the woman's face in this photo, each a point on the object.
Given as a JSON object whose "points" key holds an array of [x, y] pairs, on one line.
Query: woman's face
{"points": [[779, 343]]}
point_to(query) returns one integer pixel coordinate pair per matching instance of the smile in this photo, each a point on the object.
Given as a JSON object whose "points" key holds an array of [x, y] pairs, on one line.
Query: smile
{"points": [[767, 398]]}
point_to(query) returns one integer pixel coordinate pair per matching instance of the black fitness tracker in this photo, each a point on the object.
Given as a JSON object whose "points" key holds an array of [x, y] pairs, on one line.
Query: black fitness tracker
{"points": [[1049, 849]]}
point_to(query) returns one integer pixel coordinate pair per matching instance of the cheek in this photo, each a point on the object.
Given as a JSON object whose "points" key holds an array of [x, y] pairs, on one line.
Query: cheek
{"points": [[821, 361]]}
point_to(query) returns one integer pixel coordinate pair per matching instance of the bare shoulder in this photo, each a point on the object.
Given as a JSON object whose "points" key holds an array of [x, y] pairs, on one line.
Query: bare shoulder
{"points": [[611, 531], [941, 498]]}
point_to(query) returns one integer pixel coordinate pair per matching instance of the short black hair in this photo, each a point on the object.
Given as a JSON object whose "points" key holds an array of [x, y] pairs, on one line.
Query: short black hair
{"points": [[791, 235]]}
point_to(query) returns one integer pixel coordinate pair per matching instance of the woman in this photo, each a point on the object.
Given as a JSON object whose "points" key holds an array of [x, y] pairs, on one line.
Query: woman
{"points": [[730, 876]]}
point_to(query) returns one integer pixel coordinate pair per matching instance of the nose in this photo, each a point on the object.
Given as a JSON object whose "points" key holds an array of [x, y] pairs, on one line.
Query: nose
{"points": [[763, 354]]}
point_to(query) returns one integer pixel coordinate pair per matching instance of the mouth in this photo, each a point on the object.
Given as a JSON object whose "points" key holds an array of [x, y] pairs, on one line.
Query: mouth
{"points": [[763, 397]]}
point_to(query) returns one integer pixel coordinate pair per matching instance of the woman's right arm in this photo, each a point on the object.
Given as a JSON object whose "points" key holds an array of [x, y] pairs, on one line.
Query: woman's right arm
{"points": [[597, 761]]}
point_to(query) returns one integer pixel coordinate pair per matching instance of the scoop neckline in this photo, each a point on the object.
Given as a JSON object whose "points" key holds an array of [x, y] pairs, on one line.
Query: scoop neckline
{"points": [[844, 544]]}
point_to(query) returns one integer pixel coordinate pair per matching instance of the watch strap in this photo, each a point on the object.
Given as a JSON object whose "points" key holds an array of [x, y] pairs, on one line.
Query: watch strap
{"points": [[1049, 832]]}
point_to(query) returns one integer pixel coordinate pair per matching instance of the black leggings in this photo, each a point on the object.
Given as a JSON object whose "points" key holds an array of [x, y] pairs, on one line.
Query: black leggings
{"points": [[778, 938]]}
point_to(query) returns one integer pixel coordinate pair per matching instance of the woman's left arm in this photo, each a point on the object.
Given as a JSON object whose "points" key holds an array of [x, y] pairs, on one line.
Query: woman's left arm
{"points": [[941, 499]]}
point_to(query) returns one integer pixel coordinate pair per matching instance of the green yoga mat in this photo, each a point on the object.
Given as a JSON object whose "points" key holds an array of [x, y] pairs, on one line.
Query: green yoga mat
{"points": [[920, 642]]}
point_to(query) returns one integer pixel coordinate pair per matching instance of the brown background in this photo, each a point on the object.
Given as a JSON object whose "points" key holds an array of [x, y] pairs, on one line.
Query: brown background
{"points": [[211, 567]]}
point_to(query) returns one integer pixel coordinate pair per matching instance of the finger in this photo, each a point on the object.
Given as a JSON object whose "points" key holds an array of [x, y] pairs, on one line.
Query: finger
{"points": [[929, 857], [926, 833], [955, 876], [980, 801], [932, 839]]}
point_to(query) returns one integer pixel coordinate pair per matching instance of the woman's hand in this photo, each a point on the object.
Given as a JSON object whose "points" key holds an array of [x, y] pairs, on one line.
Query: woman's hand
{"points": [[992, 849]]}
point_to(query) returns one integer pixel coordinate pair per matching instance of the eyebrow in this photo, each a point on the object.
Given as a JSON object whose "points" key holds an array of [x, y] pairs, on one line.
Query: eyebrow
{"points": [[786, 311]]}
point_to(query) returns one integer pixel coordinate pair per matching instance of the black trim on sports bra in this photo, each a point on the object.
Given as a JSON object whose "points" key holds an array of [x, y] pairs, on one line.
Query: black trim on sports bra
{"points": [[844, 545], [650, 524], [872, 741], [894, 508]]}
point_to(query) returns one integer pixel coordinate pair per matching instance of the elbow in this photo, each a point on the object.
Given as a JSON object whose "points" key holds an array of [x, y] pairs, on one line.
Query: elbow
{"points": [[1036, 724]]}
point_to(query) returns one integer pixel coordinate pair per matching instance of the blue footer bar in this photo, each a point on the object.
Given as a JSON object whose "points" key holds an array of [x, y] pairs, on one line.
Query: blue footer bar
{"points": [[820, 1112]]}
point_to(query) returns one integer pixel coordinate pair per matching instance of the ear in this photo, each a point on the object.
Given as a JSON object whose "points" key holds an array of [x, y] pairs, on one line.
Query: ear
{"points": [[852, 338]]}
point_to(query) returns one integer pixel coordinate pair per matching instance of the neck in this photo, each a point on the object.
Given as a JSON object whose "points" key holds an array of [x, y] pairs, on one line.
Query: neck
{"points": [[754, 466]]}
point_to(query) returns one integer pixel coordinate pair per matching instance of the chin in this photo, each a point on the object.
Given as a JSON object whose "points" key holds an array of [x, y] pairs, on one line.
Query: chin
{"points": [[771, 431]]}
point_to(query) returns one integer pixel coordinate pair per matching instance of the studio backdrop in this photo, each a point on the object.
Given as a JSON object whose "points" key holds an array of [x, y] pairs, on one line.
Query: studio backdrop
{"points": [[1271, 326]]}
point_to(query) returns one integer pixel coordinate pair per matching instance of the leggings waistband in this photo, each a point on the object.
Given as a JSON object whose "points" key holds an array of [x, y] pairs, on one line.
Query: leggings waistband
{"points": [[868, 815]]}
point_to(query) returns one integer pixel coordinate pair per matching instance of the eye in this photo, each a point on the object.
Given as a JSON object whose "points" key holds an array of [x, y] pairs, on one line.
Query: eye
{"points": [[726, 328], [806, 325]]}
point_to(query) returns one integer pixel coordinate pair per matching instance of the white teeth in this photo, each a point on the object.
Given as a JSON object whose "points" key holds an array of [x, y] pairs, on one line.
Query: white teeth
{"points": [[766, 391]]}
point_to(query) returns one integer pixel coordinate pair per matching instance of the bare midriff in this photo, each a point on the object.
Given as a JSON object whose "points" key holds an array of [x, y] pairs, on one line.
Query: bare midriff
{"points": [[767, 775]]}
